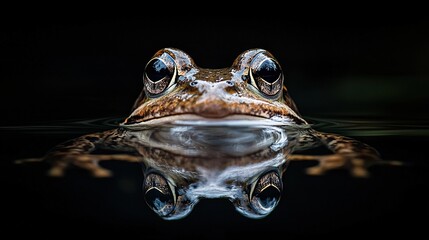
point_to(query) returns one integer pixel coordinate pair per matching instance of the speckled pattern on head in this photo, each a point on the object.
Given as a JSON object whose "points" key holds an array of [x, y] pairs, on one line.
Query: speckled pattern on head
{"points": [[213, 93]]}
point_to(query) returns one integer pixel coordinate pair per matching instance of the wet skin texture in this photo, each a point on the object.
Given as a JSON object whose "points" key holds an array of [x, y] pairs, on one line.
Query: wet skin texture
{"points": [[216, 93], [167, 123]]}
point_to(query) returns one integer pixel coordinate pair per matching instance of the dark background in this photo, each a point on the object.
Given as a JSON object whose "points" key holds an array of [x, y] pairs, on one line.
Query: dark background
{"points": [[58, 67], [65, 67]]}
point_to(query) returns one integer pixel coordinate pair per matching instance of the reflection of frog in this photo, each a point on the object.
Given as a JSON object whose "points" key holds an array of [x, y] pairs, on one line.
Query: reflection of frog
{"points": [[178, 93], [183, 164]]}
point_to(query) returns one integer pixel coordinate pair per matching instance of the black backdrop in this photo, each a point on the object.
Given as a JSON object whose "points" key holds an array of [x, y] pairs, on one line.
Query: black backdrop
{"points": [[81, 67], [63, 67]]}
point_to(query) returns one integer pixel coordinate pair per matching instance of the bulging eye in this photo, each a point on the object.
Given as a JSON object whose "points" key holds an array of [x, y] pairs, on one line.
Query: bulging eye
{"points": [[266, 75], [156, 70], [268, 71], [159, 195], [266, 193], [160, 74]]}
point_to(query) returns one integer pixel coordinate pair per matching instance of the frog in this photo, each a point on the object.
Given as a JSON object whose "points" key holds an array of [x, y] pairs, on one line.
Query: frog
{"points": [[179, 99]]}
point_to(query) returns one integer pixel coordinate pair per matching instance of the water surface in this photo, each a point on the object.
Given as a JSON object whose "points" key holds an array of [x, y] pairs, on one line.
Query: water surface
{"points": [[391, 201]]}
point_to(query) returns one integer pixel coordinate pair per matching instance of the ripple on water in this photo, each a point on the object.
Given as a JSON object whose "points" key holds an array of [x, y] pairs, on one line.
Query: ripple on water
{"points": [[346, 126], [67, 126]]}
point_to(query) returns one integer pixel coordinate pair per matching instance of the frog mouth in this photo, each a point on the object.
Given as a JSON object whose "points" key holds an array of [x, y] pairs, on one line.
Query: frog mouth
{"points": [[212, 112], [197, 120]]}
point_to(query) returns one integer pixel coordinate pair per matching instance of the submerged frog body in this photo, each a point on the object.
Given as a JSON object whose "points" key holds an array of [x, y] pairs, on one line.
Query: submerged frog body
{"points": [[208, 133]]}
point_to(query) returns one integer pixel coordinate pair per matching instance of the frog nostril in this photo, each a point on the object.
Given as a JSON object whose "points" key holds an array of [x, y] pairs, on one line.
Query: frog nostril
{"points": [[193, 83]]}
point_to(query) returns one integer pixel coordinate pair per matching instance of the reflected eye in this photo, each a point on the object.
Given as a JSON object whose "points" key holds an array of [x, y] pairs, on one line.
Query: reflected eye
{"points": [[159, 195], [266, 193], [160, 73], [266, 75]]}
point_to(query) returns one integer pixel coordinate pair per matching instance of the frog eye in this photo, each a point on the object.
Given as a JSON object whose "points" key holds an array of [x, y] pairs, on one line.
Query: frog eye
{"points": [[159, 194], [266, 75], [266, 193], [159, 75]]}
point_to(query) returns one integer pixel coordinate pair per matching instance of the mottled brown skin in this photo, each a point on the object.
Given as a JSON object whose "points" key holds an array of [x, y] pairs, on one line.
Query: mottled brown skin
{"points": [[213, 93]]}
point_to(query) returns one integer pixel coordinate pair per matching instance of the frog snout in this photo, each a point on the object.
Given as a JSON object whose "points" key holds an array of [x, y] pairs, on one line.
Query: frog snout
{"points": [[214, 98], [205, 87]]}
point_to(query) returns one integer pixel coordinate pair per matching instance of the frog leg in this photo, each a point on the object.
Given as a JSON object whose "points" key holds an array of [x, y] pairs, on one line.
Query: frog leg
{"points": [[78, 152], [347, 153], [89, 162]]}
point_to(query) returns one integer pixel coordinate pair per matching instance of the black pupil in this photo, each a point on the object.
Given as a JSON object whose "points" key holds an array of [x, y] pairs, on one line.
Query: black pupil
{"points": [[269, 197], [269, 71], [157, 200], [156, 70]]}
